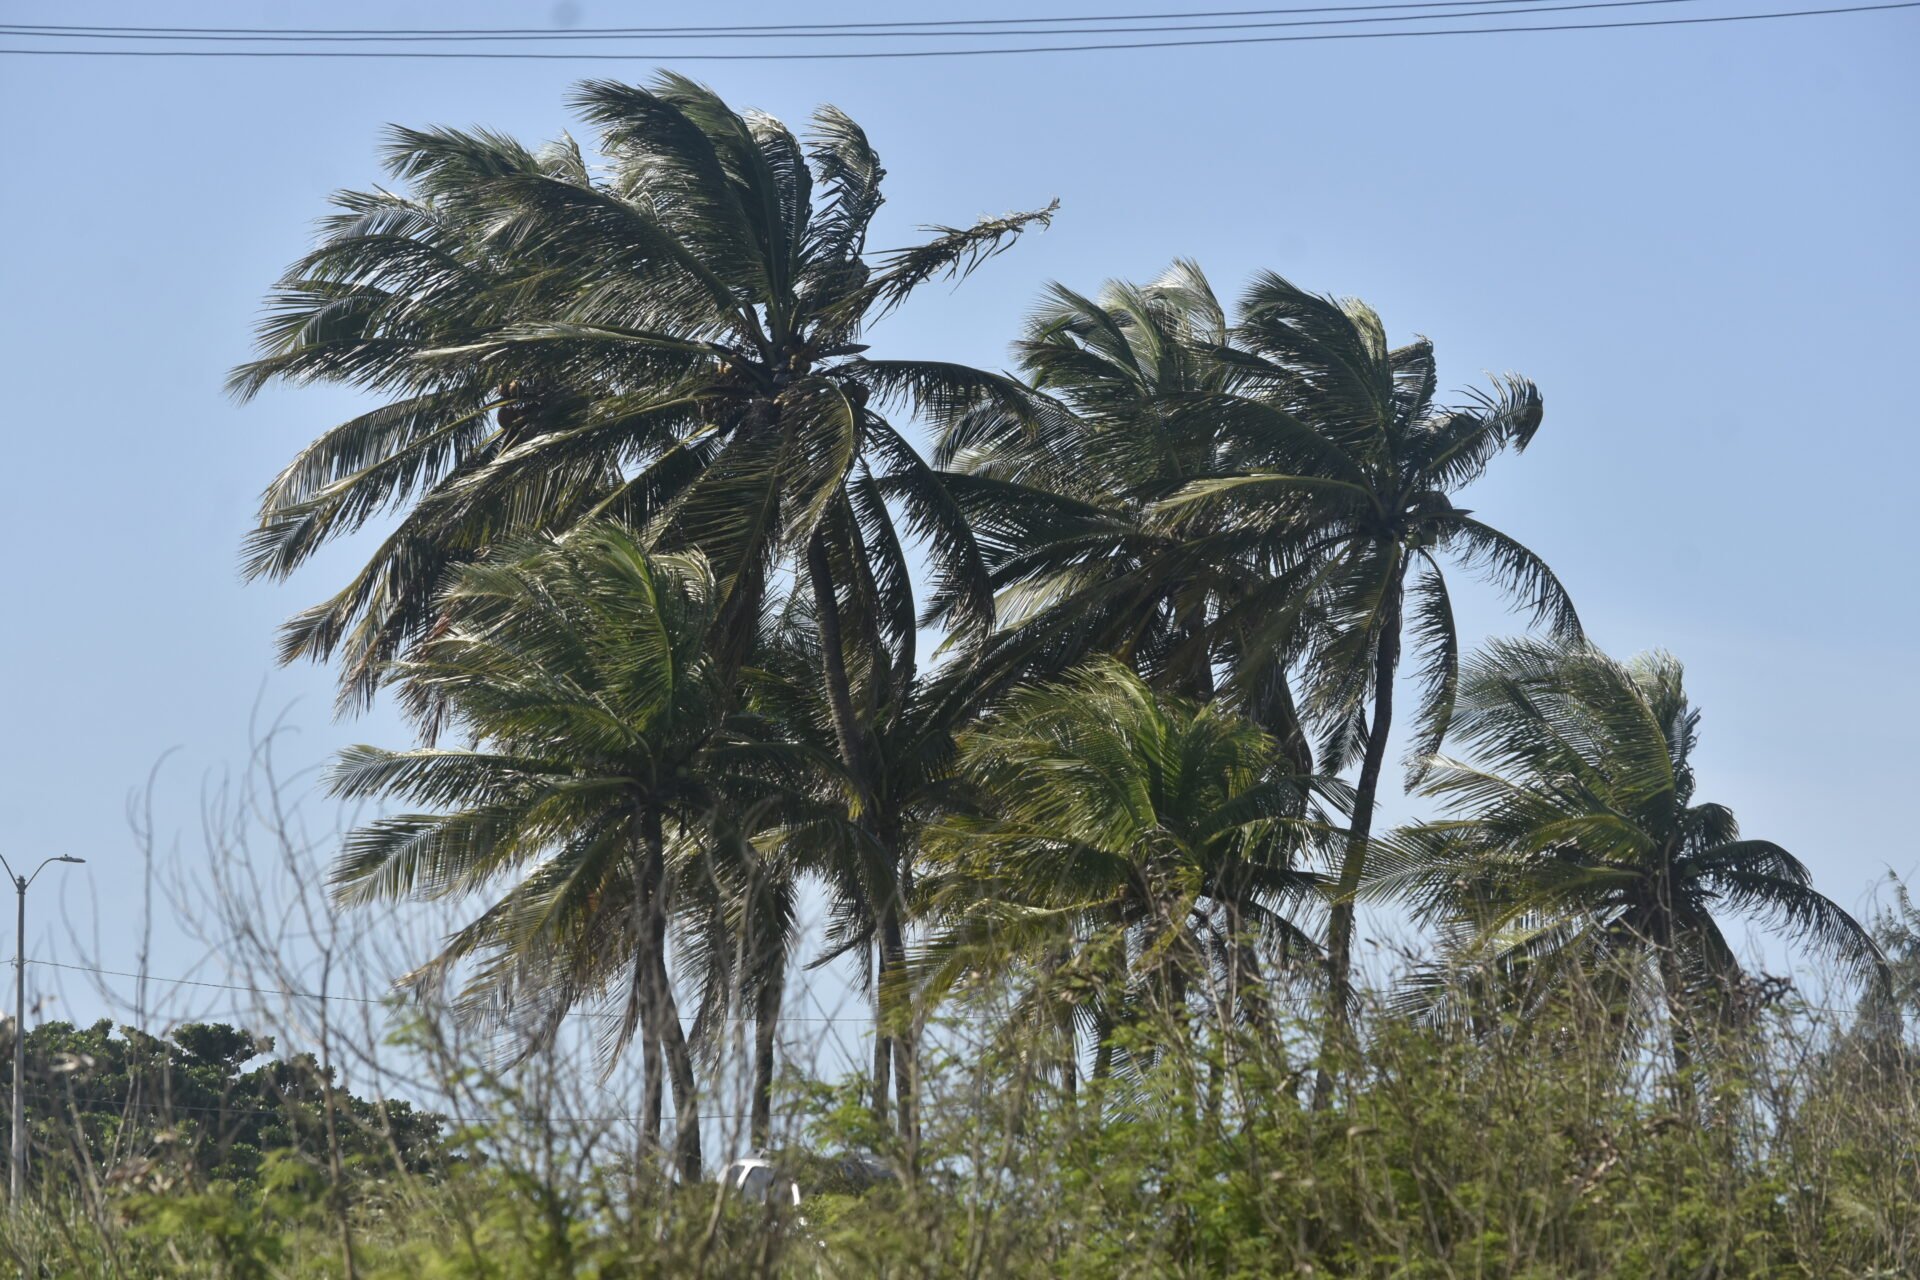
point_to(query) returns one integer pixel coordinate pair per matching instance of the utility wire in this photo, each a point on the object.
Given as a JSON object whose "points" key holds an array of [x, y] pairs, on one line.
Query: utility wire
{"points": [[863, 1019], [766, 28], [199, 35], [528, 56], [285, 1112]]}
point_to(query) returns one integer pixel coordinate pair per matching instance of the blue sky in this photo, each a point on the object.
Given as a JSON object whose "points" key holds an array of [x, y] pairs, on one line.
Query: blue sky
{"points": [[1699, 241]]}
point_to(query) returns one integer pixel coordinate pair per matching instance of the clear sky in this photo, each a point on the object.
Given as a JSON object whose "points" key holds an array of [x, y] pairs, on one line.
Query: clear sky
{"points": [[1700, 242]]}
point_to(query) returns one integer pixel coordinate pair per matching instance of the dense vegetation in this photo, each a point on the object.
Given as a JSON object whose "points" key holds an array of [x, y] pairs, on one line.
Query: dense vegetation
{"points": [[90, 1089], [654, 593]]}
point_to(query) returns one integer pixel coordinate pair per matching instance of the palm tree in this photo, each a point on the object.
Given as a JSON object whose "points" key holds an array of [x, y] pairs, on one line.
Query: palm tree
{"points": [[672, 338], [1127, 844], [1578, 848], [1063, 478], [673, 341], [1346, 501], [580, 670], [867, 862], [737, 926]]}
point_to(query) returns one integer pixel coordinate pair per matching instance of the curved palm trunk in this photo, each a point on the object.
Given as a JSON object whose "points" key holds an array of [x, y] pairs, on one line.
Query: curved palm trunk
{"points": [[1673, 994], [1353, 865], [652, 1090], [662, 1012], [766, 1021], [889, 1050]]}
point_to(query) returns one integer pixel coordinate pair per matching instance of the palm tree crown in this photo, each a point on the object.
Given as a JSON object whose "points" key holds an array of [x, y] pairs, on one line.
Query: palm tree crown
{"points": [[1348, 508], [1139, 840], [1062, 478], [1578, 844], [671, 336], [579, 669]]}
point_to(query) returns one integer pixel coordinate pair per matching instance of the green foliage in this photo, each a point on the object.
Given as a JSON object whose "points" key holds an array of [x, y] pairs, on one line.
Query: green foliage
{"points": [[606, 760], [1575, 848], [1452, 1154], [668, 333], [652, 559], [186, 1111], [1131, 845]]}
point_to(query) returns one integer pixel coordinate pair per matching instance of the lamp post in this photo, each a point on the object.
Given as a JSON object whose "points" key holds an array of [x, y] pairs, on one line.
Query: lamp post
{"points": [[20, 883]]}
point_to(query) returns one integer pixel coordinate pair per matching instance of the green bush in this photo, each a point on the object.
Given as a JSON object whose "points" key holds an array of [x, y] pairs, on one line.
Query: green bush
{"points": [[1507, 1153]]}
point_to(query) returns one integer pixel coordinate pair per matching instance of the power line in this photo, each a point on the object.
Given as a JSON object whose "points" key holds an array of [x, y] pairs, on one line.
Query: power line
{"points": [[285, 1112], [322, 36], [766, 28], [527, 56], [863, 1019]]}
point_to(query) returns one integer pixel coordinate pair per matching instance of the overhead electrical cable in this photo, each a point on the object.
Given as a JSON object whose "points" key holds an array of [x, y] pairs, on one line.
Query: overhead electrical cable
{"points": [[768, 28], [184, 35], [519, 55], [400, 999]]}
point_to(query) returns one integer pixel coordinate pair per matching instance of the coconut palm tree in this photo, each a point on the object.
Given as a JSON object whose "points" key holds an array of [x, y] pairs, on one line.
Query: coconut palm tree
{"points": [[1577, 847], [736, 927], [867, 864], [602, 744], [1346, 500], [670, 336], [1127, 846], [1126, 402]]}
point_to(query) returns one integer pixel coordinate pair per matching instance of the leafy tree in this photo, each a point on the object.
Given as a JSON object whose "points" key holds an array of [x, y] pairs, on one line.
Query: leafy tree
{"points": [[1065, 472], [1128, 401], [580, 669], [1129, 846], [207, 1102], [1577, 846]]}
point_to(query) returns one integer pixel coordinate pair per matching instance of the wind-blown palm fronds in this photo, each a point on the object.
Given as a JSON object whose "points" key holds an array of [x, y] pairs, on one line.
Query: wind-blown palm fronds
{"points": [[580, 670], [1348, 505], [670, 336], [1577, 847], [1128, 845]]}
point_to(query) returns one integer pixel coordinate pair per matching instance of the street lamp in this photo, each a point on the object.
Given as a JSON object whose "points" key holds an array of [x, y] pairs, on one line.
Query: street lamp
{"points": [[20, 883]]}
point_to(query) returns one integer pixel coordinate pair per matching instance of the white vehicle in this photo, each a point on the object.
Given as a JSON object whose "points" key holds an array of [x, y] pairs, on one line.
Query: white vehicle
{"points": [[755, 1180]]}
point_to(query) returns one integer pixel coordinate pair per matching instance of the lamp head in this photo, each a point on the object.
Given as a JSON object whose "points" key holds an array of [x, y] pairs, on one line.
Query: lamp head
{"points": [[67, 857]]}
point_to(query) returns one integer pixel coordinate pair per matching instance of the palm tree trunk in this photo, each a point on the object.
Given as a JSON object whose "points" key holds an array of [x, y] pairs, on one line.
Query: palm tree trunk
{"points": [[686, 1100], [833, 663], [766, 1020], [1196, 681], [905, 1071], [662, 1012], [889, 1055], [652, 1089], [1386, 659], [1673, 993], [882, 1063]]}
